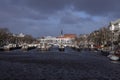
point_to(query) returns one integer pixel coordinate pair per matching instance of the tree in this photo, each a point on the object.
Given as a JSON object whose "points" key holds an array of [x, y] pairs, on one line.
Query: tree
{"points": [[100, 37], [4, 36], [28, 39]]}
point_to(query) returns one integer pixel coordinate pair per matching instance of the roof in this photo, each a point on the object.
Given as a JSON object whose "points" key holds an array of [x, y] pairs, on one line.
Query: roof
{"points": [[68, 36], [115, 22]]}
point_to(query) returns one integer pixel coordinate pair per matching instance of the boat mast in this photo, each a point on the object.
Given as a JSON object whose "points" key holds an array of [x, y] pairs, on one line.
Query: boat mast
{"points": [[61, 32], [61, 35]]}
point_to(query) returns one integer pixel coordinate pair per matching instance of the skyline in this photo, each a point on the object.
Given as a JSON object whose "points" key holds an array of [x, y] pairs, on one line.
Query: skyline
{"points": [[48, 17]]}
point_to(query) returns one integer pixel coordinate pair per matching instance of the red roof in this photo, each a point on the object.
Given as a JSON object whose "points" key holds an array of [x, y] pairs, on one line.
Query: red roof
{"points": [[70, 35], [67, 36]]}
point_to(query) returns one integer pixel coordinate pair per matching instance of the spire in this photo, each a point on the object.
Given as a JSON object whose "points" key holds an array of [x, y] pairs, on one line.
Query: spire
{"points": [[61, 32]]}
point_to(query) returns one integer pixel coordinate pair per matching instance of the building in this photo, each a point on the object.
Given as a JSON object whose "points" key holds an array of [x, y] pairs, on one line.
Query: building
{"points": [[66, 39], [70, 36], [48, 39], [114, 27], [19, 35]]}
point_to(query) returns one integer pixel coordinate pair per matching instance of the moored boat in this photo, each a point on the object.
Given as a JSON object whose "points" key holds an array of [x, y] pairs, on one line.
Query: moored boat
{"points": [[115, 56], [8, 47], [77, 48], [43, 46], [61, 48], [24, 47]]}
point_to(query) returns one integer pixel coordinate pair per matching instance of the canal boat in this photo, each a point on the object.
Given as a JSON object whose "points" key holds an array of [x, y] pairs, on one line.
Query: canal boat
{"points": [[77, 47], [61, 47], [115, 56], [9, 47], [27, 47], [24, 47]]}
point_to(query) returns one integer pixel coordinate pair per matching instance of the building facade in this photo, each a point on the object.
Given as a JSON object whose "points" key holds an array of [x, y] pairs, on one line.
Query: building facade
{"points": [[66, 39], [114, 27]]}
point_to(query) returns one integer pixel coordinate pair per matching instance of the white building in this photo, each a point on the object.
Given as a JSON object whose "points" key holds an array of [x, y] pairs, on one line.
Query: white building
{"points": [[19, 35], [48, 39], [66, 39], [115, 29]]}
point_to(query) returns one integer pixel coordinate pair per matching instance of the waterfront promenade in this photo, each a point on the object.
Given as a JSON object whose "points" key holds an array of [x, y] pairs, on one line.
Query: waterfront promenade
{"points": [[55, 65]]}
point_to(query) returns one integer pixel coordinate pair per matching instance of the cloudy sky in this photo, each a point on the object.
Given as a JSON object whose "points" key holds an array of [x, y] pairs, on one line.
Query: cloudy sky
{"points": [[48, 17]]}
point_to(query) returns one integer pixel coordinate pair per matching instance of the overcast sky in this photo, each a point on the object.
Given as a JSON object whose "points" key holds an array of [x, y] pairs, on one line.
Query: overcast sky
{"points": [[48, 17]]}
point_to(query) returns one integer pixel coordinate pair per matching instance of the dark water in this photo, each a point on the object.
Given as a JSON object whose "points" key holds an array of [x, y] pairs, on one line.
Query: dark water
{"points": [[55, 65]]}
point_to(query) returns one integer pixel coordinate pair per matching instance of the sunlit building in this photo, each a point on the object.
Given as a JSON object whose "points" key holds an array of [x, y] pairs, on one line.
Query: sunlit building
{"points": [[66, 39], [114, 27]]}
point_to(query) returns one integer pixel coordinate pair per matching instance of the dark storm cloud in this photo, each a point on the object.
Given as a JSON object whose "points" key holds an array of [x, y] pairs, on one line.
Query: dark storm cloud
{"points": [[98, 7], [46, 6], [70, 19], [41, 17], [93, 7]]}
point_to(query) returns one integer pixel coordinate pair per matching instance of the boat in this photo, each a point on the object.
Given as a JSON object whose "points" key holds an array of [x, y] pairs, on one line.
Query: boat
{"points": [[61, 47], [27, 47], [43, 46], [8, 47], [24, 47], [77, 48], [115, 56]]}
